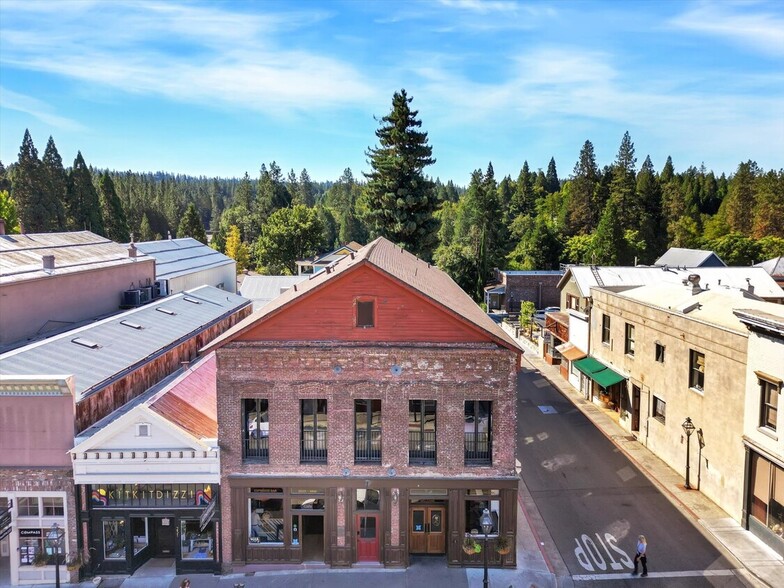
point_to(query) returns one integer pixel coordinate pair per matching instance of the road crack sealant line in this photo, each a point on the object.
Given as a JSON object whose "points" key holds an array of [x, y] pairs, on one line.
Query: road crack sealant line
{"points": [[701, 527]]}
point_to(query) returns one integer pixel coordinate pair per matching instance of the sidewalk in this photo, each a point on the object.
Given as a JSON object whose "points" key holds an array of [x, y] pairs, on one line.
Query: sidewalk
{"points": [[758, 563]]}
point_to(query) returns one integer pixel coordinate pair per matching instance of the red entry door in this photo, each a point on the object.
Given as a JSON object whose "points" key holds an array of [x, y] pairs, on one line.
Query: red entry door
{"points": [[367, 537]]}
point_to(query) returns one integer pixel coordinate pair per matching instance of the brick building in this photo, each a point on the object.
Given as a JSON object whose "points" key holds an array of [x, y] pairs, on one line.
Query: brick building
{"points": [[366, 414], [512, 288]]}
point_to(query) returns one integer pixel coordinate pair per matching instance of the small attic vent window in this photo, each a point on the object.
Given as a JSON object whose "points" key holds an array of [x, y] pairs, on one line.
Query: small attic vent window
{"points": [[136, 326], [142, 430], [191, 300], [166, 311], [85, 342]]}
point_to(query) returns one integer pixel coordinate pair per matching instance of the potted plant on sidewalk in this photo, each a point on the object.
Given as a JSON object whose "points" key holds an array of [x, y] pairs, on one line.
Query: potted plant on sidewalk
{"points": [[471, 546]]}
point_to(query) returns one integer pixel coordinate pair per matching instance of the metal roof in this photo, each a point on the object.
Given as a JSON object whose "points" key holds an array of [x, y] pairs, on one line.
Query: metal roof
{"points": [[774, 267], [714, 306], [587, 277], [21, 256], [680, 257], [532, 272], [262, 289], [100, 352], [178, 257]]}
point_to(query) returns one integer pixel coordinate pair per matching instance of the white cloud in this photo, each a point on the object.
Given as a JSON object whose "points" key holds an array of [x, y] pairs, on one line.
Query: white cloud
{"points": [[760, 31], [36, 108], [188, 53]]}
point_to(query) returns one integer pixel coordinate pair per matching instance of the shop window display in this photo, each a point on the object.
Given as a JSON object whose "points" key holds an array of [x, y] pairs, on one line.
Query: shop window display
{"points": [[114, 538], [265, 519], [197, 543]]}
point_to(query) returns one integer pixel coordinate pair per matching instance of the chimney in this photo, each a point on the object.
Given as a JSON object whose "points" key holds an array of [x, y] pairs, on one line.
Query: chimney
{"points": [[694, 280], [2, 226], [132, 250], [48, 262]]}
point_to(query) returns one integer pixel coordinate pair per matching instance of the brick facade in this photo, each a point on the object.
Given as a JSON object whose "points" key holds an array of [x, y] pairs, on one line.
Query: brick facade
{"points": [[285, 373]]}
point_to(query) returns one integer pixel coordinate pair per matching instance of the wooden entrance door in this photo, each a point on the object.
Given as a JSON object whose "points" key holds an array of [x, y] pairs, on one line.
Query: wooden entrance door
{"points": [[367, 537], [426, 529], [635, 408]]}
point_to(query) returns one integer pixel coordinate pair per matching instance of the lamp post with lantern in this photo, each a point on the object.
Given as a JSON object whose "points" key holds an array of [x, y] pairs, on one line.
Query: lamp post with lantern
{"points": [[486, 522], [55, 540], [688, 428]]}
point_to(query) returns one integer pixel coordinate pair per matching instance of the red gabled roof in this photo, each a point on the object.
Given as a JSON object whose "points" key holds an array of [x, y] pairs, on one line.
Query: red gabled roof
{"points": [[418, 276], [191, 400]]}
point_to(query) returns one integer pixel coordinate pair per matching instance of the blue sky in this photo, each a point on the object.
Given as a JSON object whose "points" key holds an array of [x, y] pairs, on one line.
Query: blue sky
{"points": [[219, 88]]}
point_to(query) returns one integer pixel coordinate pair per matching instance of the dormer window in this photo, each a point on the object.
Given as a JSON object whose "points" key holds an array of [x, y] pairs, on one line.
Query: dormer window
{"points": [[365, 313], [142, 429]]}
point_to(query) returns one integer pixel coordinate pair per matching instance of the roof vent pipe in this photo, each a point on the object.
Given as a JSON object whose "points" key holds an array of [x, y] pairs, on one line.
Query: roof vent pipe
{"points": [[694, 279], [48, 262], [168, 234], [2, 226]]}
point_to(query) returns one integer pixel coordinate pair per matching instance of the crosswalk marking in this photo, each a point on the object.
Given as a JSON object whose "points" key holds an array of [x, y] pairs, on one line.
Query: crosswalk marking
{"points": [[628, 576]]}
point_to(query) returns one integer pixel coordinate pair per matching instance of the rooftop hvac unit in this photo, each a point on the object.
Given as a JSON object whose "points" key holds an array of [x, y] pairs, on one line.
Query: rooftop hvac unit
{"points": [[146, 294], [131, 298], [161, 288]]}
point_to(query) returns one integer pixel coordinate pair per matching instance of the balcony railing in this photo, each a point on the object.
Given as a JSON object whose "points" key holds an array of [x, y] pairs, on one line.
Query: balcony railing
{"points": [[367, 448], [313, 448], [256, 449], [422, 447], [478, 448]]}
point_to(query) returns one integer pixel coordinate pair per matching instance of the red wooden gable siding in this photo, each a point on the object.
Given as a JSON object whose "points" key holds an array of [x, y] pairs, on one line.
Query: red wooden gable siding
{"points": [[328, 315]]}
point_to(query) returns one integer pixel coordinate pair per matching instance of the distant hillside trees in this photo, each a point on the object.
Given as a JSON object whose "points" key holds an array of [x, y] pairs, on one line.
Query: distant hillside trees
{"points": [[534, 221]]}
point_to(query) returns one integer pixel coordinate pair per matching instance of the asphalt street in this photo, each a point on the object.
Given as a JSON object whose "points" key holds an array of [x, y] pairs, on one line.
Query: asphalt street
{"points": [[593, 502]]}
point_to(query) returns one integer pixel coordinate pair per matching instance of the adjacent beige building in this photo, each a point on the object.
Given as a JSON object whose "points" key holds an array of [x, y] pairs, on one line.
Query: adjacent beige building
{"points": [[684, 354]]}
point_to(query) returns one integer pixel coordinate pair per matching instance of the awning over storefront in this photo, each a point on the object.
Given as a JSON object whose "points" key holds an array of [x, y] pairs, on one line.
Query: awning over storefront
{"points": [[598, 372], [570, 352], [495, 290]]}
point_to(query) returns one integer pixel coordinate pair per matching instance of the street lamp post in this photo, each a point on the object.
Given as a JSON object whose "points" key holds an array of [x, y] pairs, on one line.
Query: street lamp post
{"points": [[55, 539], [701, 442], [688, 428], [486, 522]]}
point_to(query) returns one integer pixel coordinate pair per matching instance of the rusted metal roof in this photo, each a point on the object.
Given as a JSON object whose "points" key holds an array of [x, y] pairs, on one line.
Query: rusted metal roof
{"points": [[190, 401], [21, 256], [403, 267]]}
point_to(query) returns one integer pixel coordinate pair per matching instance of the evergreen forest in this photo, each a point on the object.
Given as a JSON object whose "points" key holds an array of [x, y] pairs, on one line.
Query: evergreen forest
{"points": [[619, 214]]}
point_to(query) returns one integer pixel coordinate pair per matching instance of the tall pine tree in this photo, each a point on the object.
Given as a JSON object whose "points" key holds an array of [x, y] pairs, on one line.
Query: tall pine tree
{"points": [[652, 229], [36, 211], [553, 184], [582, 217], [114, 222], [191, 225], [55, 183], [623, 188], [82, 204], [400, 200]]}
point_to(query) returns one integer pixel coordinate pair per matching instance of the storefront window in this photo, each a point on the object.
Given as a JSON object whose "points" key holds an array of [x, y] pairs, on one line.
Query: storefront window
{"points": [[27, 506], [767, 494], [473, 512], [114, 538], [53, 507], [28, 548], [368, 499], [197, 543], [139, 532], [265, 520]]}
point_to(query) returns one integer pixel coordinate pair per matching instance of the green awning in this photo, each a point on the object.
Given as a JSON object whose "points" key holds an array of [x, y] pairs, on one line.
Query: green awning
{"points": [[598, 372], [607, 378], [589, 365]]}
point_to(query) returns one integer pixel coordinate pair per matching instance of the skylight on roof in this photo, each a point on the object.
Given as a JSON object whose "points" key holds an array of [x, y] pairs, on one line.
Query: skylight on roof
{"points": [[136, 326], [85, 342], [191, 300], [166, 311]]}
